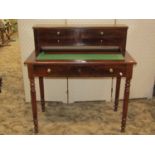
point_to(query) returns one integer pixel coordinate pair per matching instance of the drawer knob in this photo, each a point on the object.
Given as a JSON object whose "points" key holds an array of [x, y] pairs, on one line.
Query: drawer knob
{"points": [[79, 70], [121, 74], [58, 41], [111, 70], [49, 70], [58, 33], [102, 33], [101, 41]]}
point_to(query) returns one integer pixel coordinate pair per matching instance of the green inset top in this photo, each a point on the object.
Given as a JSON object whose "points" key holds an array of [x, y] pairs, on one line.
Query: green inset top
{"points": [[46, 56]]}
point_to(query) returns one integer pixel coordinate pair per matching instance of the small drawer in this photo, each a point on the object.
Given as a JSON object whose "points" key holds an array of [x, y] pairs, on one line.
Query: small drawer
{"points": [[110, 70], [103, 33], [96, 71], [80, 71], [50, 70], [57, 41], [101, 41], [55, 32]]}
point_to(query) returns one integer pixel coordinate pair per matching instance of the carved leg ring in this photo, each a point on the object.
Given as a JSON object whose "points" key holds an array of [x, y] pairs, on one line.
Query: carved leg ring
{"points": [[118, 81], [41, 84], [34, 105], [125, 104]]}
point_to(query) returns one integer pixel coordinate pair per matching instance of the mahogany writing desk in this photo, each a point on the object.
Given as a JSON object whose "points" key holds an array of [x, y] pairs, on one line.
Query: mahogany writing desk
{"points": [[80, 52]]}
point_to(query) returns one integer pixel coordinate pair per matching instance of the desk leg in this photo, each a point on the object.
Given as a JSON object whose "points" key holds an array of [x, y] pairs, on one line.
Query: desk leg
{"points": [[41, 84], [125, 104], [118, 81], [34, 104]]}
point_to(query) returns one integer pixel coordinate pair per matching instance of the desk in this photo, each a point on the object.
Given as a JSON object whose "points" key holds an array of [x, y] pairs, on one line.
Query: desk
{"points": [[80, 68]]}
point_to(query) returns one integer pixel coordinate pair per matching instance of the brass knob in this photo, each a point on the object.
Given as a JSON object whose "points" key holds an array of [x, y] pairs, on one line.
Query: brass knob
{"points": [[111, 70], [58, 33], [102, 33], [49, 70], [121, 74], [58, 41]]}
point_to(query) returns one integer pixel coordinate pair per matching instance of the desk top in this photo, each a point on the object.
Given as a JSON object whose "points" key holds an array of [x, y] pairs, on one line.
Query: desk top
{"points": [[71, 59]]}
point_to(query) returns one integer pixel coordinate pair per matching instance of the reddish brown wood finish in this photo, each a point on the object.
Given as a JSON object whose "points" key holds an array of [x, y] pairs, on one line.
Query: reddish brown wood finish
{"points": [[41, 85], [88, 69], [75, 36], [33, 97], [77, 69], [118, 82], [126, 96]]}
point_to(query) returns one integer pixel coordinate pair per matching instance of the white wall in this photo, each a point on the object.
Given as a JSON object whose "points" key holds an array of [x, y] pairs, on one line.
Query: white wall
{"points": [[140, 43]]}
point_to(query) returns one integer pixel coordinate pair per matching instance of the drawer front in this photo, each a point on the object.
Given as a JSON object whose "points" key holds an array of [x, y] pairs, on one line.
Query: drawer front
{"points": [[103, 33], [56, 33], [57, 42], [96, 71], [79, 71], [50, 70], [107, 71], [101, 41]]}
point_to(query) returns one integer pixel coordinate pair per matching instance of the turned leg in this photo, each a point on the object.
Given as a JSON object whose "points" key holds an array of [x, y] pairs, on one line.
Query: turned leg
{"points": [[34, 104], [118, 81], [41, 84], [125, 104]]}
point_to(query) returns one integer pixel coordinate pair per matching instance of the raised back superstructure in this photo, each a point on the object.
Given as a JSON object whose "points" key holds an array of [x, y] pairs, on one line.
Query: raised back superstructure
{"points": [[103, 39]]}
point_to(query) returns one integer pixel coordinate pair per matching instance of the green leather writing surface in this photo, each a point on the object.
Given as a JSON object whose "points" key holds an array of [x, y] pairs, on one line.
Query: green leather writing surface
{"points": [[47, 56]]}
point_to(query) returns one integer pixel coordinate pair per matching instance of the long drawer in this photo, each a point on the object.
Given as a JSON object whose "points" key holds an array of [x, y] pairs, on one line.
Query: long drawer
{"points": [[79, 70]]}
